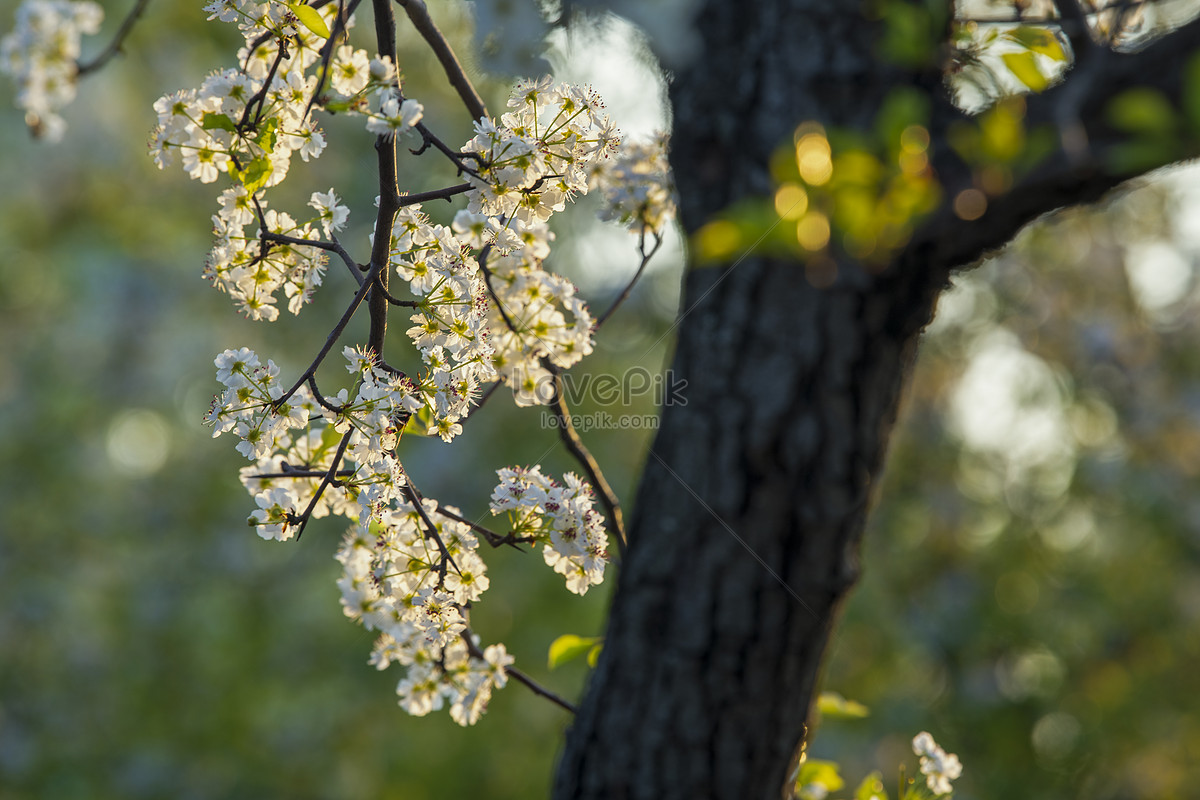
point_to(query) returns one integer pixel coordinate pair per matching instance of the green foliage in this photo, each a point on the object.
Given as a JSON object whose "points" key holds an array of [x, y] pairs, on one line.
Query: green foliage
{"points": [[911, 31], [871, 788], [1025, 67], [212, 121], [1036, 608], [310, 19], [816, 773], [832, 705], [863, 192], [569, 647], [1037, 40], [1157, 134]]}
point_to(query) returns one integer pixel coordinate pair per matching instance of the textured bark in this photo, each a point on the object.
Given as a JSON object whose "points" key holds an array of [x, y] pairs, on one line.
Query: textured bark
{"points": [[754, 496], [745, 532]]}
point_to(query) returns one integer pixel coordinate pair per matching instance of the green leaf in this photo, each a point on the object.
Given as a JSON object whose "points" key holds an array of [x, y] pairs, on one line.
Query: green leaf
{"points": [[1038, 40], [254, 176], [871, 788], [834, 706], [569, 647], [1141, 110], [594, 655], [268, 135], [310, 19], [214, 122], [908, 38], [822, 773], [1025, 67], [1003, 132], [418, 423]]}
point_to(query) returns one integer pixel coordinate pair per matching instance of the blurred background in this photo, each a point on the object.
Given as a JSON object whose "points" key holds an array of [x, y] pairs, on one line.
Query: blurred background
{"points": [[1031, 592]]}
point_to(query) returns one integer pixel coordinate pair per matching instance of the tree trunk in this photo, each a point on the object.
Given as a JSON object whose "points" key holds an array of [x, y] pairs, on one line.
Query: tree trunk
{"points": [[745, 533], [753, 501]]}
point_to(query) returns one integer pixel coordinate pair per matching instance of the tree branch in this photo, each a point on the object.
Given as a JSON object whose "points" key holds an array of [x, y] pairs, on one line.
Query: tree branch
{"points": [[434, 194], [334, 247], [385, 147], [330, 476], [575, 446], [114, 46], [1062, 178], [493, 538], [418, 14], [519, 676], [431, 532], [621, 298], [330, 340]]}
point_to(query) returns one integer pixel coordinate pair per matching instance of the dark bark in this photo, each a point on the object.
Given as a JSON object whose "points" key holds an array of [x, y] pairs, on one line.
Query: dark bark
{"points": [[747, 522]]}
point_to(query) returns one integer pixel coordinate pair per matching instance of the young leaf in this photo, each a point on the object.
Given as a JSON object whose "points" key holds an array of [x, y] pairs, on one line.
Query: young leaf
{"points": [[213, 122], [254, 176], [871, 788], [1038, 40], [1025, 67], [310, 18], [1141, 110], [594, 655], [822, 773], [834, 706], [268, 135], [569, 647]]}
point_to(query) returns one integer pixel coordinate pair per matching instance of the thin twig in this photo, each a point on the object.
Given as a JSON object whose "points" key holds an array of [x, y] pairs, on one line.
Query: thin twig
{"points": [[330, 475], [429, 138], [519, 676], [491, 390], [487, 279], [331, 340], [566, 429], [396, 301], [385, 148], [333, 247], [418, 14], [658, 240], [493, 538], [321, 399], [114, 46], [539, 690], [435, 194], [297, 473], [259, 98], [415, 497], [1075, 25], [574, 444], [339, 31]]}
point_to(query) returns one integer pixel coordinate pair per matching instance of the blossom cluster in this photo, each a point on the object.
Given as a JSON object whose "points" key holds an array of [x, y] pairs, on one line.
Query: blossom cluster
{"points": [[938, 766], [294, 439], [409, 576], [485, 309], [450, 323], [637, 187], [529, 164], [42, 56], [252, 270], [249, 122], [558, 516]]}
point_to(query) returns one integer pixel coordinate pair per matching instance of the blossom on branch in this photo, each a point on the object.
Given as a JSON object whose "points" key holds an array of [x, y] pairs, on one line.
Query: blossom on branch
{"points": [[41, 55]]}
